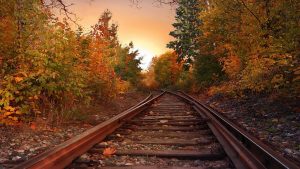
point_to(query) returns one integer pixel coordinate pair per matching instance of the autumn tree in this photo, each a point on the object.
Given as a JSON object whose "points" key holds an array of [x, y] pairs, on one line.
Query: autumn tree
{"points": [[260, 56], [41, 62], [103, 56], [128, 64], [166, 69]]}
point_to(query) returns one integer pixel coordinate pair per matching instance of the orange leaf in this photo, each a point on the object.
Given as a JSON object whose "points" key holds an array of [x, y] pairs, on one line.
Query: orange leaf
{"points": [[18, 112], [14, 118], [109, 151], [33, 126], [7, 114], [18, 79]]}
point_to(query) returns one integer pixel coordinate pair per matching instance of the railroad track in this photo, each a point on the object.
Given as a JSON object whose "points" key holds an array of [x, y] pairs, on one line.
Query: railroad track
{"points": [[171, 130]]}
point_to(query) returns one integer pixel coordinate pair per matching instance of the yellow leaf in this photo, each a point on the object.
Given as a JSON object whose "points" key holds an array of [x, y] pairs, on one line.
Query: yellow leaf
{"points": [[18, 112], [18, 79], [9, 108]]}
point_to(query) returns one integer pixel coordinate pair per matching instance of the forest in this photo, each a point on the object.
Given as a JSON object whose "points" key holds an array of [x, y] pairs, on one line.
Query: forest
{"points": [[234, 47], [221, 92], [46, 65], [220, 46]]}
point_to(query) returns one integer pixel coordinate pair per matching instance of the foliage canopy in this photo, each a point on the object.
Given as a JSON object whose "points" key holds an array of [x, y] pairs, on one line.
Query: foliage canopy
{"points": [[45, 66]]}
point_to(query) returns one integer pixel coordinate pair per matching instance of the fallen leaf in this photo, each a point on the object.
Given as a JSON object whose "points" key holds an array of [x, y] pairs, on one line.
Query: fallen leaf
{"points": [[109, 151], [33, 126]]}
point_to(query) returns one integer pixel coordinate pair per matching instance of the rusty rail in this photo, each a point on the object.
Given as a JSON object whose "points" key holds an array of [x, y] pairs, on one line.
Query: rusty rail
{"points": [[63, 154], [246, 146]]}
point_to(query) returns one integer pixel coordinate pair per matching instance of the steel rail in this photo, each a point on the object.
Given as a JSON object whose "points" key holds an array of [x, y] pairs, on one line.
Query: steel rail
{"points": [[239, 155], [267, 156], [63, 154]]}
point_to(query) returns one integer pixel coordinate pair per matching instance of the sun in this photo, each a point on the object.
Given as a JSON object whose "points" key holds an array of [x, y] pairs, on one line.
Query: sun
{"points": [[146, 56]]}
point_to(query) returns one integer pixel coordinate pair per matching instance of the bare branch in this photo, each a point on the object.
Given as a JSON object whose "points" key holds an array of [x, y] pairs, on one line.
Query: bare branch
{"points": [[167, 2], [160, 2], [136, 3], [63, 8], [252, 13]]}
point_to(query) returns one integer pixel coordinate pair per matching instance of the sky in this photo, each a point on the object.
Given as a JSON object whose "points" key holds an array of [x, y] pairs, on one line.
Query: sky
{"points": [[147, 25]]}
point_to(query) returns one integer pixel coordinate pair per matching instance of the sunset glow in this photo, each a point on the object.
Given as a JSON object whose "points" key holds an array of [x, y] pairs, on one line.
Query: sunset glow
{"points": [[147, 25]]}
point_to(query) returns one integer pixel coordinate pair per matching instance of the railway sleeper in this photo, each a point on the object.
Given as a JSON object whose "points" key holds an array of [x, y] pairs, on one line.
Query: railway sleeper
{"points": [[166, 134], [179, 154], [177, 142], [166, 123], [170, 120], [140, 137], [167, 128], [168, 113]]}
